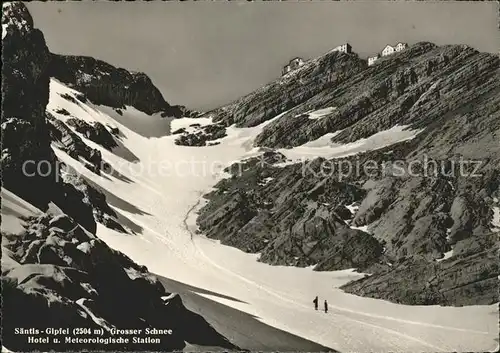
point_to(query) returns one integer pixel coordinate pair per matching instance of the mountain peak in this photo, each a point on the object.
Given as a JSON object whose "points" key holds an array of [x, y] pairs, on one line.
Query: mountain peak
{"points": [[105, 84], [15, 17]]}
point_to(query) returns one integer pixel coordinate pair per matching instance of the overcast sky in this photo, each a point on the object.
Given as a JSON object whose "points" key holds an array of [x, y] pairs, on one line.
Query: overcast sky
{"points": [[204, 54]]}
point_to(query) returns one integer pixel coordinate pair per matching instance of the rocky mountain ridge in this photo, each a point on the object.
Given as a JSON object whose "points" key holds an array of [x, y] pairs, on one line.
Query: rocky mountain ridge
{"points": [[105, 84], [25, 95], [414, 87], [288, 91], [28, 130], [279, 96], [439, 216]]}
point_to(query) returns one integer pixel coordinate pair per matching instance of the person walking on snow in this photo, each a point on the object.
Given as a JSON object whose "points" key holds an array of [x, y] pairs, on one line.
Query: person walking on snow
{"points": [[326, 306], [315, 301]]}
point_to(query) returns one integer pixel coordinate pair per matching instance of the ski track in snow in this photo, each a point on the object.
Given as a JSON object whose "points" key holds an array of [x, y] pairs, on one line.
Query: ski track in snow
{"points": [[282, 297], [165, 206]]}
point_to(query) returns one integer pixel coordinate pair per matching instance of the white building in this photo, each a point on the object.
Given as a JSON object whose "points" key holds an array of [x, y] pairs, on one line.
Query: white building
{"points": [[401, 46], [388, 50], [344, 48], [372, 59]]}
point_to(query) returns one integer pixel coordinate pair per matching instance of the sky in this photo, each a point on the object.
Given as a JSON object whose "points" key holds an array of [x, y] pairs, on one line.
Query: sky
{"points": [[206, 54]]}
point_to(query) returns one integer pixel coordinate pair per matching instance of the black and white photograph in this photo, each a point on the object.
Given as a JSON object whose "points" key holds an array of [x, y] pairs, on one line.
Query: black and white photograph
{"points": [[250, 176]]}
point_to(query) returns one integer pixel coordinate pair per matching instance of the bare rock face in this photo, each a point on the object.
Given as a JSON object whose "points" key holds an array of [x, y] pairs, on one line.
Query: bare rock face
{"points": [[66, 277], [291, 90], [21, 70], [96, 132], [88, 205], [425, 86], [460, 280], [288, 217], [25, 93], [407, 227], [200, 135], [73, 145], [439, 237], [183, 111], [29, 166], [105, 84], [404, 230]]}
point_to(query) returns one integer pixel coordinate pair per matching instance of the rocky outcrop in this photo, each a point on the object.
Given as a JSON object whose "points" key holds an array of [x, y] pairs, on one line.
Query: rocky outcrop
{"points": [[303, 215], [436, 88], [462, 280], [441, 245], [183, 111], [88, 196], [29, 166], [325, 72], [73, 145], [427, 201], [25, 93], [426, 216], [79, 199], [424, 86], [105, 84], [197, 135], [96, 132], [67, 278], [288, 217]]}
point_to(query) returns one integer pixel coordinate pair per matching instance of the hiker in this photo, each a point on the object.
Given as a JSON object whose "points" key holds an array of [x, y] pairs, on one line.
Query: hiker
{"points": [[326, 306], [315, 301]]}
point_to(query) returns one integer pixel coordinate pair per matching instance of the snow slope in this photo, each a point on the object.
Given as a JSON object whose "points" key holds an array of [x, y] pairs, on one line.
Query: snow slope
{"points": [[323, 147], [496, 219], [320, 113], [13, 209], [160, 198]]}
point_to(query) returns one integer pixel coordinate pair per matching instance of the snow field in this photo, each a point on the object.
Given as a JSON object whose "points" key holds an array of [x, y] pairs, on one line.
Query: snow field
{"points": [[163, 206]]}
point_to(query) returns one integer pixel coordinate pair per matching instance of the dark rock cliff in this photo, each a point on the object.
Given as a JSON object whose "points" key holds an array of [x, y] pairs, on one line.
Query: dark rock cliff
{"points": [[29, 166], [25, 94], [420, 86], [424, 85], [289, 218], [463, 280], [327, 71], [381, 222], [200, 135], [105, 84], [65, 277]]}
